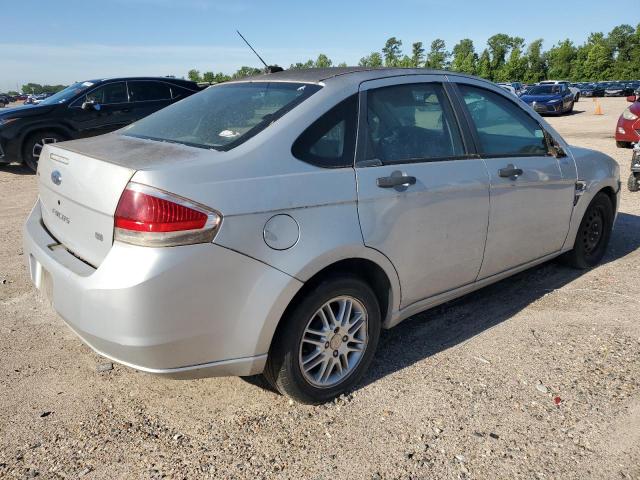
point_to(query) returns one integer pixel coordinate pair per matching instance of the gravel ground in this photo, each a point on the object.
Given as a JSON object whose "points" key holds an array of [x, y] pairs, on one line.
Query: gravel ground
{"points": [[534, 377]]}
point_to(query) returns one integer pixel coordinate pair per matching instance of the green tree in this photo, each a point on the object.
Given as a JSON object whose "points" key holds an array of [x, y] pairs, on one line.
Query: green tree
{"points": [[373, 60], [465, 59], [536, 65], [560, 60], [624, 42], [322, 61], [194, 75], [244, 72], [417, 54], [300, 65], [438, 57], [499, 46], [515, 68], [392, 52], [598, 63], [484, 65]]}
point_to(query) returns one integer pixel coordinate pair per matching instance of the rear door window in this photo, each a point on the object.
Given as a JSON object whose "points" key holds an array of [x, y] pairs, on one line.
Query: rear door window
{"points": [[411, 122], [141, 91], [503, 128]]}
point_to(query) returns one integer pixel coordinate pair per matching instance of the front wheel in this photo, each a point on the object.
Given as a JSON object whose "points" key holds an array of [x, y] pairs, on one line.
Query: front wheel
{"points": [[593, 234], [326, 342]]}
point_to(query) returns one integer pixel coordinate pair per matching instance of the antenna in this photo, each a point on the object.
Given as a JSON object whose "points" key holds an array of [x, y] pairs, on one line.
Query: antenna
{"points": [[269, 68]]}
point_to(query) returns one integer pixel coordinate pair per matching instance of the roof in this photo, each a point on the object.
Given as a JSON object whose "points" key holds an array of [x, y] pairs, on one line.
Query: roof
{"points": [[163, 79], [315, 75]]}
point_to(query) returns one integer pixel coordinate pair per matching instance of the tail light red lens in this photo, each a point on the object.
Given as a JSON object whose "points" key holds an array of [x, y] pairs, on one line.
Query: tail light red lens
{"points": [[141, 212], [152, 217]]}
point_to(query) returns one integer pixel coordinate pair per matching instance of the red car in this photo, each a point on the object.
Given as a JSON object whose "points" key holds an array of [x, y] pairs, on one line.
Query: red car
{"points": [[628, 129]]}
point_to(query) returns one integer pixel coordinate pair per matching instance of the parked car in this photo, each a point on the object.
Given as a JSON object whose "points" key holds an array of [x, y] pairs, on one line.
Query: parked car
{"points": [[618, 90], [84, 109], [555, 99], [4, 100], [262, 226], [508, 88], [628, 128], [518, 88], [592, 90], [574, 90]]}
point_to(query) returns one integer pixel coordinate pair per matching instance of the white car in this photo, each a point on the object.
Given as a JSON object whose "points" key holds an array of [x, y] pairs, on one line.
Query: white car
{"points": [[276, 224], [574, 90]]}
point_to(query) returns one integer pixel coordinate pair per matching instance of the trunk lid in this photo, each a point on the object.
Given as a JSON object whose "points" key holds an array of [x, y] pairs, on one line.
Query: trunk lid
{"points": [[78, 196]]}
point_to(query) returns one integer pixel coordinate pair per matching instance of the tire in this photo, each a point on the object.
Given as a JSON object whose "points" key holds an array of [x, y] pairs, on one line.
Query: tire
{"points": [[295, 343], [33, 145], [593, 234], [620, 144], [634, 182], [577, 98], [571, 107]]}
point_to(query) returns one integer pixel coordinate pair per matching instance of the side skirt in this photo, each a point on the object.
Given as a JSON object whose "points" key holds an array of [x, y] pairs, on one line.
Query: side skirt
{"points": [[444, 297]]}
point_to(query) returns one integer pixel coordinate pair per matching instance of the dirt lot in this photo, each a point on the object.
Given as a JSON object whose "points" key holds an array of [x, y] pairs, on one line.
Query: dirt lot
{"points": [[464, 391]]}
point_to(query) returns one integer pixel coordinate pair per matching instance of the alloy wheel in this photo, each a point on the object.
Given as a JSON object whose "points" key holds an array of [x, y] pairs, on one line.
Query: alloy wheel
{"points": [[333, 342], [39, 145]]}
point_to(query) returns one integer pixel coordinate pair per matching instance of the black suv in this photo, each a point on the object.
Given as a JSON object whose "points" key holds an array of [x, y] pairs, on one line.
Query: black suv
{"points": [[84, 109]]}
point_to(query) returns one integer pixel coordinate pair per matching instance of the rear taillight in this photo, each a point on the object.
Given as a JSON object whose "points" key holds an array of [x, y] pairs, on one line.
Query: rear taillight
{"points": [[154, 218]]}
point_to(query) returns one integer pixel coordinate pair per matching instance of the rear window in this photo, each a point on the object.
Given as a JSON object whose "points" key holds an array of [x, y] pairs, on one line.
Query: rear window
{"points": [[223, 116]]}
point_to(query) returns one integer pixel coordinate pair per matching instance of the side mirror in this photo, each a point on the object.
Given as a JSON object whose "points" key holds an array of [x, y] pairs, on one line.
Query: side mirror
{"points": [[632, 98], [90, 105]]}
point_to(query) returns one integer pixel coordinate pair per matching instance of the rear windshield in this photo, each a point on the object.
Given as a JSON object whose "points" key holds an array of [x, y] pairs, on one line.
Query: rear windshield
{"points": [[223, 116]]}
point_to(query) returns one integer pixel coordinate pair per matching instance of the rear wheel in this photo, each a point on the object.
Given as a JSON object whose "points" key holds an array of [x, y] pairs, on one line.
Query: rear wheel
{"points": [[32, 147], [593, 234], [634, 182], [327, 341], [620, 144]]}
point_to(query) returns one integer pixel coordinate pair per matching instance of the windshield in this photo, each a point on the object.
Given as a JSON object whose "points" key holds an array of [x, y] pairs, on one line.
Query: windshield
{"points": [[223, 116], [544, 90], [68, 93]]}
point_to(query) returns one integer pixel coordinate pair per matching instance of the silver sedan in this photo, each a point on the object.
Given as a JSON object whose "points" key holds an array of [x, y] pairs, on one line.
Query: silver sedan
{"points": [[274, 225]]}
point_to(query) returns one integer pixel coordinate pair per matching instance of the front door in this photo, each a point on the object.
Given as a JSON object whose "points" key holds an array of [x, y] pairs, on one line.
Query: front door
{"points": [[422, 201], [531, 196], [110, 110]]}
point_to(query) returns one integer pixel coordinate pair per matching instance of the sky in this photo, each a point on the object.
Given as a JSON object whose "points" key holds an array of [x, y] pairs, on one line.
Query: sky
{"points": [[70, 40]]}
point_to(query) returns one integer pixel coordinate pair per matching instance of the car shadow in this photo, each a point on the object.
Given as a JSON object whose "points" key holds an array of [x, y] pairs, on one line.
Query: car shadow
{"points": [[452, 323], [455, 322], [16, 169]]}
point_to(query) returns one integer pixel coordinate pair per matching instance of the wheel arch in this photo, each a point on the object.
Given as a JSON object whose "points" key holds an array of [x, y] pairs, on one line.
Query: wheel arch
{"points": [[61, 129], [372, 267]]}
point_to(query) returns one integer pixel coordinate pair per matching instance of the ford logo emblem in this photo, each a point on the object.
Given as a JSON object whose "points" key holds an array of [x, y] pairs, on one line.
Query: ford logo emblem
{"points": [[56, 177]]}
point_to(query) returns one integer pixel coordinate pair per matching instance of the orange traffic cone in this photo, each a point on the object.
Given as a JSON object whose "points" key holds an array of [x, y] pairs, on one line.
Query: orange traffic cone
{"points": [[598, 110]]}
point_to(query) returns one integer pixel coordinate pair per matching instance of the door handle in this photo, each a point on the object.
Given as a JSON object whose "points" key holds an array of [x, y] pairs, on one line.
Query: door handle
{"points": [[396, 179], [510, 171]]}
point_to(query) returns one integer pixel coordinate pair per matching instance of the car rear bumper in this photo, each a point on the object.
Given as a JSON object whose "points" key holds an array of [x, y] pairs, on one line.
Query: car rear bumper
{"points": [[185, 312]]}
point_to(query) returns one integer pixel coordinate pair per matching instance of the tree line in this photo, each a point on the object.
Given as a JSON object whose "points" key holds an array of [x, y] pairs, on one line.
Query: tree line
{"points": [[612, 56]]}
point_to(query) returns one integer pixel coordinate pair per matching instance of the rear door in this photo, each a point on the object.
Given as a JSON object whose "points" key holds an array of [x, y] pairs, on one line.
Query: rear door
{"points": [[423, 201], [148, 96], [531, 192]]}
